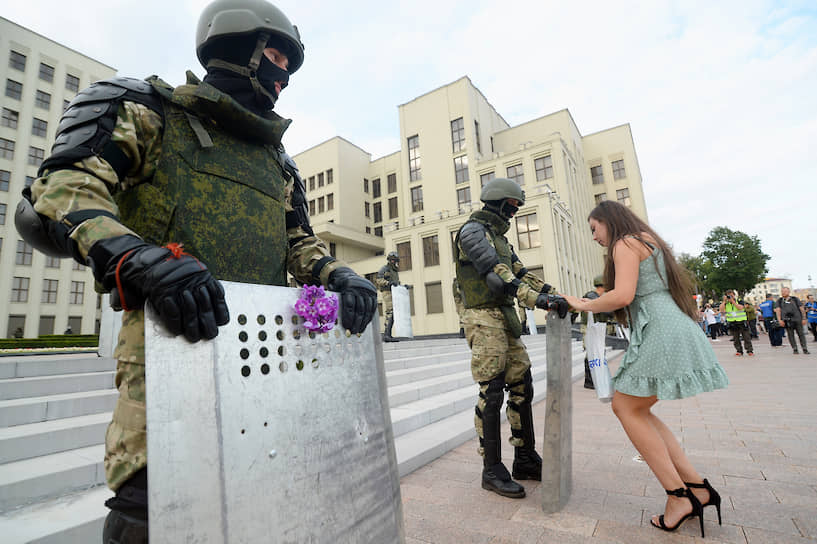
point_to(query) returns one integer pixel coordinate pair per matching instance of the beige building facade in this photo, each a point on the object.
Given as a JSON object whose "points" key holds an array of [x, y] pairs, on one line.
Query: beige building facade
{"points": [[38, 295], [772, 286], [415, 200]]}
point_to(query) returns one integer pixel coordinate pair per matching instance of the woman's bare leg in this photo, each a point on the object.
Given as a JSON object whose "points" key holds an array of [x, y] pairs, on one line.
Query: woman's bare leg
{"points": [[679, 458]]}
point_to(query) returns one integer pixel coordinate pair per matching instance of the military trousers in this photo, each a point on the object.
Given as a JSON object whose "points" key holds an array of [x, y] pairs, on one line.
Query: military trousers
{"points": [[126, 437], [495, 352], [388, 308]]}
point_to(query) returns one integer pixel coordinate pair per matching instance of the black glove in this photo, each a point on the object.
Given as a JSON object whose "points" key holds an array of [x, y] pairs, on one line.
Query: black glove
{"points": [[187, 298], [552, 302], [358, 298], [408, 286], [546, 289]]}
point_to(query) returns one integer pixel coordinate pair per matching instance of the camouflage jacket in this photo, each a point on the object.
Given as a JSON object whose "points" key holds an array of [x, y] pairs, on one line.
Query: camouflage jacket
{"points": [[92, 183], [386, 277]]}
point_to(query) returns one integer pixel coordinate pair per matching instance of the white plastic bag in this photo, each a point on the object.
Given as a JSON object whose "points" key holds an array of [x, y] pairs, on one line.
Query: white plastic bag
{"points": [[594, 340]]}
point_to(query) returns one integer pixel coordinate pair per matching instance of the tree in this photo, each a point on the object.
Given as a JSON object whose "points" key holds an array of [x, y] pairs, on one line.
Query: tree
{"points": [[735, 260]]}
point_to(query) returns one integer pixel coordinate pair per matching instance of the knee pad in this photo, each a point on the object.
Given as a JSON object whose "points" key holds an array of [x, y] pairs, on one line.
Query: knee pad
{"points": [[495, 393], [528, 381]]}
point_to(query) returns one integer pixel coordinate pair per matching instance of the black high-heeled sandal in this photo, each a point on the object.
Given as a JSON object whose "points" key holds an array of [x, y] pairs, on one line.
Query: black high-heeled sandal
{"points": [[714, 496], [697, 510]]}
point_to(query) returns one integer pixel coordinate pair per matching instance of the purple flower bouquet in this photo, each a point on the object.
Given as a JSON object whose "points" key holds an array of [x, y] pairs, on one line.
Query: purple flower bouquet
{"points": [[318, 309]]}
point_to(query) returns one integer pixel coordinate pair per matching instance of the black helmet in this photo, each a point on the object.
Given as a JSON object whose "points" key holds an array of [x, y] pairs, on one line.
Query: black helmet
{"points": [[250, 18]]}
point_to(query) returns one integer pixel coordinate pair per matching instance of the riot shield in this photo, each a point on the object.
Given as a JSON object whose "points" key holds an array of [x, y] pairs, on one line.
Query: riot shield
{"points": [[401, 306], [110, 323], [531, 321], [269, 433]]}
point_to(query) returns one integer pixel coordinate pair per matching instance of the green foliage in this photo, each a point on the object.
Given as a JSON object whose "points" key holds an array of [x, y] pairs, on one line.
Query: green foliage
{"points": [[732, 260], [51, 341]]}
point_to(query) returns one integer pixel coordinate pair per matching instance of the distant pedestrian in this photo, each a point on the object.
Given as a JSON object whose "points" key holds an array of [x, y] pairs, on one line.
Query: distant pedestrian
{"points": [[751, 319], [811, 315], [68, 330], [18, 332], [711, 322], [736, 321], [773, 328], [668, 357], [790, 312]]}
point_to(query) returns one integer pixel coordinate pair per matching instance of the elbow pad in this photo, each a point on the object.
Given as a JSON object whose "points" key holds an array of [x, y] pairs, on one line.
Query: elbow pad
{"points": [[477, 247]]}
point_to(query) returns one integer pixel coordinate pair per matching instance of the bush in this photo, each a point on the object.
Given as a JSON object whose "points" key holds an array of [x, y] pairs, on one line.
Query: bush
{"points": [[52, 341]]}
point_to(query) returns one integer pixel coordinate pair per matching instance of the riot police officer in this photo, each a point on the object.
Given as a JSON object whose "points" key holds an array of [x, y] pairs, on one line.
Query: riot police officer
{"points": [[162, 190], [387, 277], [490, 275]]}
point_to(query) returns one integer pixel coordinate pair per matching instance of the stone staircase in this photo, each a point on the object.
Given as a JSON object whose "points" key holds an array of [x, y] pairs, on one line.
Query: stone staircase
{"points": [[54, 411]]}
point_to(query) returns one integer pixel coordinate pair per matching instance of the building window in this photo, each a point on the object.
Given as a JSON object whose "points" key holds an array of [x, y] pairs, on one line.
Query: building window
{"points": [[29, 181], [52, 262], [515, 173], [320, 179], [378, 212], [312, 207], [330, 201], [543, 167], [19, 289], [39, 127], [6, 149], [49, 291], [65, 104], [527, 229], [333, 249], [476, 136], [42, 100], [368, 230], [485, 178], [461, 169], [320, 205], [35, 155], [75, 323], [463, 196], [414, 158], [601, 197], [597, 174], [367, 209], [24, 252], [14, 89], [311, 183], [376, 188], [46, 72], [618, 170], [393, 207], [623, 196], [46, 325], [330, 176], [404, 252], [17, 61], [76, 266], [431, 251], [2, 214], [458, 135], [77, 294], [417, 199], [10, 118], [392, 182], [365, 185], [434, 298], [378, 231], [5, 175], [71, 82]]}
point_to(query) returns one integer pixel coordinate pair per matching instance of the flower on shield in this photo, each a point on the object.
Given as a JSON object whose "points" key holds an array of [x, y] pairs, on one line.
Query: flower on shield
{"points": [[318, 309]]}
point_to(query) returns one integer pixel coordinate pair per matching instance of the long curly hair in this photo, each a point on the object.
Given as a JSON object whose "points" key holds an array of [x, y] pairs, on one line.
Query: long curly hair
{"points": [[622, 222]]}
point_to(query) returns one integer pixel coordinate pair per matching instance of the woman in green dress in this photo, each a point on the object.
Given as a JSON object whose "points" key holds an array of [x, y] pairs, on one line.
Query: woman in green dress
{"points": [[669, 357]]}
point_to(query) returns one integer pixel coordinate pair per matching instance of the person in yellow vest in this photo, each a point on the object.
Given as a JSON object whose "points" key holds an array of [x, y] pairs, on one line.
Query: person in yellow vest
{"points": [[737, 323]]}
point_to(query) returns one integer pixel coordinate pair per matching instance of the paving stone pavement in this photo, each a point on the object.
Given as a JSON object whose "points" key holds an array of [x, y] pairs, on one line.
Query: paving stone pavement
{"points": [[756, 442]]}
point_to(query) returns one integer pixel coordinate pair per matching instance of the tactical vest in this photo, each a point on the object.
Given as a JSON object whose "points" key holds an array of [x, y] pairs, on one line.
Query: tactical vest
{"points": [[734, 314], [389, 274], [225, 201], [475, 292]]}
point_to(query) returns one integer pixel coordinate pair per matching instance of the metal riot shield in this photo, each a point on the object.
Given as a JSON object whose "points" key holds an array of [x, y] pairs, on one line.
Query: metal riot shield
{"points": [[401, 306], [269, 433], [531, 322], [110, 324]]}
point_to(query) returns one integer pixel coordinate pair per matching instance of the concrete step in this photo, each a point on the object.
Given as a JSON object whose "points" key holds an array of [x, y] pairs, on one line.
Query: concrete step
{"points": [[36, 409], [47, 437], [43, 386], [31, 480], [22, 367], [72, 519]]}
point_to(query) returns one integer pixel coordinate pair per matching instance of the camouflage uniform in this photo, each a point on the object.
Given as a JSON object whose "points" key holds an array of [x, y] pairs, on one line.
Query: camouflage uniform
{"points": [[458, 304], [386, 277], [234, 190], [492, 327]]}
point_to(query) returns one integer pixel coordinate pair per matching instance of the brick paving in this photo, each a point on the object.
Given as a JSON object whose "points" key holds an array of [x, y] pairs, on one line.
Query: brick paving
{"points": [[756, 441]]}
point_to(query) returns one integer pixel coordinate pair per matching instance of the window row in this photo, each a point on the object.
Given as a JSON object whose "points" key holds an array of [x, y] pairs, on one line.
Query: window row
{"points": [[17, 323], [18, 62], [25, 252], [322, 204], [391, 181], [597, 172], [543, 169], [324, 178], [622, 195], [20, 289], [458, 135], [36, 155]]}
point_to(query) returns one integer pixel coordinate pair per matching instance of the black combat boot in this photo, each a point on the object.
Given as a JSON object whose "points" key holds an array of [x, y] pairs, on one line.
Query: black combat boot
{"points": [[527, 464], [495, 476], [387, 337]]}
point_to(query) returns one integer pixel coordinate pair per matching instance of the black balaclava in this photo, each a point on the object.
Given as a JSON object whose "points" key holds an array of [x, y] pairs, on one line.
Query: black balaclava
{"points": [[502, 208], [230, 70]]}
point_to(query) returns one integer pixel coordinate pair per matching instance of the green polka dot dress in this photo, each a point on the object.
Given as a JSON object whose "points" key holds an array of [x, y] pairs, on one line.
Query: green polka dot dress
{"points": [[669, 355]]}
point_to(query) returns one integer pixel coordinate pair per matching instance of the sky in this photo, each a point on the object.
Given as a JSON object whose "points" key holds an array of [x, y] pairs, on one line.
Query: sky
{"points": [[721, 96]]}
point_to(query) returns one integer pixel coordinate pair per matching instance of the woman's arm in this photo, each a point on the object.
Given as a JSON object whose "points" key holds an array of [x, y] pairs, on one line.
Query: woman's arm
{"points": [[626, 259]]}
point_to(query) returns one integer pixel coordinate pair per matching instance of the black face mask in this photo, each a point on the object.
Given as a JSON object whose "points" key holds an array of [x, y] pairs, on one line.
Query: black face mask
{"points": [[502, 208]]}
